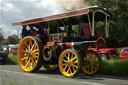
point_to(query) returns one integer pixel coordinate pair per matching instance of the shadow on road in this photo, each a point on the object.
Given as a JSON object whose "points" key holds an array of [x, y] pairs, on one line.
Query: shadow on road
{"points": [[57, 72], [81, 75]]}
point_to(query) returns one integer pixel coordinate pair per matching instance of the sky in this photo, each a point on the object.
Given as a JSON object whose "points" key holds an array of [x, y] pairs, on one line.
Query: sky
{"points": [[12, 11], [19, 10]]}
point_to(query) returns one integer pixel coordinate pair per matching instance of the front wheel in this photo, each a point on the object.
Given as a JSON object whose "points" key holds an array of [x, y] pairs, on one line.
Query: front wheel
{"points": [[69, 63], [91, 63], [29, 54]]}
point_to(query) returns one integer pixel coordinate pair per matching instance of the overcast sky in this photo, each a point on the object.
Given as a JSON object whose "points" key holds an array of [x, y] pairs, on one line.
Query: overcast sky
{"points": [[18, 10]]}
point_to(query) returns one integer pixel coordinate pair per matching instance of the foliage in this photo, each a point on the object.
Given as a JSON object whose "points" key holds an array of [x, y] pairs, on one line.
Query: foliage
{"points": [[12, 59], [1, 35], [13, 39], [16, 37], [119, 22], [4, 42], [115, 67]]}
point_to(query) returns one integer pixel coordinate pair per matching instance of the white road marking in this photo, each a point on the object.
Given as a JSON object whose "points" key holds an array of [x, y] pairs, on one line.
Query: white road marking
{"points": [[27, 74]]}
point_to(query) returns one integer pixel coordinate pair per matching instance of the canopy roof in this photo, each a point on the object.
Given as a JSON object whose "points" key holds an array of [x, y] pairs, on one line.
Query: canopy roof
{"points": [[73, 16]]}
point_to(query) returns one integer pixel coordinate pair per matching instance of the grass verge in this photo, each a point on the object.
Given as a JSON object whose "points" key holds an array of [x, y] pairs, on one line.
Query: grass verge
{"points": [[12, 59], [109, 67], [115, 67]]}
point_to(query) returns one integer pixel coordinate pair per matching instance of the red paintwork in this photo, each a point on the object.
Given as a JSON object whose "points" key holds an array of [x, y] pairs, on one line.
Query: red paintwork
{"points": [[66, 46], [64, 15], [123, 55], [87, 33], [101, 50], [13, 51], [54, 17]]}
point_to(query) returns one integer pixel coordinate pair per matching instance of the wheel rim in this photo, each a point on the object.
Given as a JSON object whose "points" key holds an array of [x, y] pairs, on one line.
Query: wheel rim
{"points": [[50, 67], [28, 54], [68, 63], [91, 63]]}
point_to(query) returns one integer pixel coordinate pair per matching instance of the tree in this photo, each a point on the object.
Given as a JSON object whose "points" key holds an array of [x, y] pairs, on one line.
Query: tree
{"points": [[13, 39], [118, 27], [16, 37], [1, 35]]}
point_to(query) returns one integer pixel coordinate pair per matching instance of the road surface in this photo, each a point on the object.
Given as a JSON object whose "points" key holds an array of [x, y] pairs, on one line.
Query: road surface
{"points": [[13, 73]]}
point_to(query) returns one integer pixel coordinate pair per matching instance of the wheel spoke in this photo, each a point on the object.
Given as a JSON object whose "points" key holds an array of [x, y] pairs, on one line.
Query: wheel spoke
{"points": [[64, 64], [94, 67], [33, 46], [25, 58], [86, 67], [23, 51], [73, 58], [68, 56], [75, 66], [27, 63], [30, 41], [31, 65], [35, 50], [85, 62], [75, 62], [33, 61], [91, 68], [26, 45], [68, 69], [34, 56], [65, 67], [65, 61]]}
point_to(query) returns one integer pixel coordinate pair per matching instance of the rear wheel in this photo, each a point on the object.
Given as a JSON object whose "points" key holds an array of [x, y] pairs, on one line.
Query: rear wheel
{"points": [[50, 67], [91, 63], [69, 63], [29, 54]]}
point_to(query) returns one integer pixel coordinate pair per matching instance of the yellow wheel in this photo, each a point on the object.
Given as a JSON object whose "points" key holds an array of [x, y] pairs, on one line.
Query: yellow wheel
{"points": [[91, 63], [50, 67], [29, 54], [69, 63]]}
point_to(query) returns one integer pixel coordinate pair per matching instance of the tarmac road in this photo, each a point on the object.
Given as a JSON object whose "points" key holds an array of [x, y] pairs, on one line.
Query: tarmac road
{"points": [[13, 73]]}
